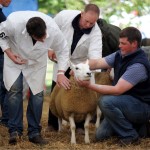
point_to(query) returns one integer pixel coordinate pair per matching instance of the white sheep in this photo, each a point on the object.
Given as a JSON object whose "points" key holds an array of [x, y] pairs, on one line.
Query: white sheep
{"points": [[76, 104]]}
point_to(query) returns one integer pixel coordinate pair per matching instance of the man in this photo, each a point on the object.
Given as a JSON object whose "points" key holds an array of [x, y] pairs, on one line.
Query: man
{"points": [[25, 42], [3, 98], [84, 40], [125, 104]]}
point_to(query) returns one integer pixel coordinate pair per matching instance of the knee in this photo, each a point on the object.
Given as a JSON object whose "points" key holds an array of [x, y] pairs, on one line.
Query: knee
{"points": [[105, 103]]}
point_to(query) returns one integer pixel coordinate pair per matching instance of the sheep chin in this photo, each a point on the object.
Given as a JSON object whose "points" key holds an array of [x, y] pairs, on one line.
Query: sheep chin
{"points": [[86, 78]]}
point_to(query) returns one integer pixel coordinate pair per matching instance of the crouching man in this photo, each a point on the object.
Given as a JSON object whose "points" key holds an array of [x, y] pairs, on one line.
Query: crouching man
{"points": [[126, 104]]}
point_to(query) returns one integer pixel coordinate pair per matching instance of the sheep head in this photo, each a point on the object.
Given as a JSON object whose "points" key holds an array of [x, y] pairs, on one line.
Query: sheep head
{"points": [[81, 71]]}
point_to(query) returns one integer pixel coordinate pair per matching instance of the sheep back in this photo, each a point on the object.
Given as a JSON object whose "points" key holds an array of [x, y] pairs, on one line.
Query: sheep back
{"points": [[102, 78]]}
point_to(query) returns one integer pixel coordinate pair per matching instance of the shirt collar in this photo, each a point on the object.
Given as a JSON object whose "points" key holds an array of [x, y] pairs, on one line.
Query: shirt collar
{"points": [[75, 25]]}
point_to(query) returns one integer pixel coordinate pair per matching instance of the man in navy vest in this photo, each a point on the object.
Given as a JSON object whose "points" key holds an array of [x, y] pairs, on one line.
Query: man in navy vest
{"points": [[3, 98], [125, 104]]}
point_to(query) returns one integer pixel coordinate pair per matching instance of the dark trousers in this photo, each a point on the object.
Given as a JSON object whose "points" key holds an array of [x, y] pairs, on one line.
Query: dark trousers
{"points": [[52, 119], [3, 95]]}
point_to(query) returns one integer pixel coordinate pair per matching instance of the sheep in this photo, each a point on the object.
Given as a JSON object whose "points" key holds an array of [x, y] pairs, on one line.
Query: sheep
{"points": [[76, 104]]}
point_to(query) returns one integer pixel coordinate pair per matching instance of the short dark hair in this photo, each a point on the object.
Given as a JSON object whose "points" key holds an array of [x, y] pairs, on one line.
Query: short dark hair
{"points": [[92, 7], [133, 34], [36, 27]]}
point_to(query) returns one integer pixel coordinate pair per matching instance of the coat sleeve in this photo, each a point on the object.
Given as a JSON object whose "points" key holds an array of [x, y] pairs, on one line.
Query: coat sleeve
{"points": [[95, 47], [61, 49], [6, 30]]}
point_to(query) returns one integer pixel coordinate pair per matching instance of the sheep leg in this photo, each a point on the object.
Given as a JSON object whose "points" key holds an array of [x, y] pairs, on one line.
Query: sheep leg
{"points": [[59, 124], [86, 127], [72, 128], [98, 117]]}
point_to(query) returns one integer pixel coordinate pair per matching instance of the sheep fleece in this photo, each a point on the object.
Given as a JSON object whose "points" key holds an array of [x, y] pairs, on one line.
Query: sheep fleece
{"points": [[77, 100]]}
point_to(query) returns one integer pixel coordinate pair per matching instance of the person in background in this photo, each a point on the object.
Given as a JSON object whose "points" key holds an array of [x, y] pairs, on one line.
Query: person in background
{"points": [[3, 91], [126, 103], [26, 42], [84, 39]]}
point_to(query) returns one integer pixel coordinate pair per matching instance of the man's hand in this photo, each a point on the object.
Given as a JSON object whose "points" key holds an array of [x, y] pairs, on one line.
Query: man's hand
{"points": [[63, 81], [83, 83], [52, 56], [15, 58]]}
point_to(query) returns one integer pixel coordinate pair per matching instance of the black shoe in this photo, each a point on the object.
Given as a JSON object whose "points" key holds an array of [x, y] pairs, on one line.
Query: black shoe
{"points": [[38, 140], [14, 137], [129, 141]]}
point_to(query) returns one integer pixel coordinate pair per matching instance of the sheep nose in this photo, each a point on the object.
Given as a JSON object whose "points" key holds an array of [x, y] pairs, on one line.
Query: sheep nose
{"points": [[89, 74]]}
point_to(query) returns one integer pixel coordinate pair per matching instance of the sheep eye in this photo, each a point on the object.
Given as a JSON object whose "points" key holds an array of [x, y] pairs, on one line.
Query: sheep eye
{"points": [[76, 68]]}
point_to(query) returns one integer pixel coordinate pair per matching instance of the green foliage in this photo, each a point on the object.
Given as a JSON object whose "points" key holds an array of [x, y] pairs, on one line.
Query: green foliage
{"points": [[107, 7]]}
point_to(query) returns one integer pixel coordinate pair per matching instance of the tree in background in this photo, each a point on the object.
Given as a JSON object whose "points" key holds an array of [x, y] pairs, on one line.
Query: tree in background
{"points": [[140, 7]]}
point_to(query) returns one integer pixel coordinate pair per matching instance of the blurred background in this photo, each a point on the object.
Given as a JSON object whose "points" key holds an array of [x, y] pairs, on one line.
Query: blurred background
{"points": [[122, 13]]}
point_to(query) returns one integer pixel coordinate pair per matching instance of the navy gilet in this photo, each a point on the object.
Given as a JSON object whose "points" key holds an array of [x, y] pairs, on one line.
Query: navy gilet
{"points": [[142, 90]]}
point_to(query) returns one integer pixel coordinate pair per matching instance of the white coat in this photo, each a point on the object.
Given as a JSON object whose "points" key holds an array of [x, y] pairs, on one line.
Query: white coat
{"points": [[88, 47], [21, 43]]}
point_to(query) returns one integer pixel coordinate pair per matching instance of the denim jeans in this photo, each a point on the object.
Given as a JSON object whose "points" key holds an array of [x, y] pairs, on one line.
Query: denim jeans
{"points": [[104, 131], [121, 113], [3, 94], [34, 110]]}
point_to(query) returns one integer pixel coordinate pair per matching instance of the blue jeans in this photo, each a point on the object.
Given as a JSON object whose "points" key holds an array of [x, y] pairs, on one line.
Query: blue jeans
{"points": [[121, 113], [34, 109], [3, 94]]}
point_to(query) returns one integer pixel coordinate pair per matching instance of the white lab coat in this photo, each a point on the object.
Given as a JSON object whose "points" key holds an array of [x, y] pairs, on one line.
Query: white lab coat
{"points": [[88, 47], [21, 43]]}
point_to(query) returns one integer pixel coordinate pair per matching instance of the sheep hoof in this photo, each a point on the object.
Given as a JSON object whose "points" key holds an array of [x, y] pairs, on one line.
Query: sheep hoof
{"points": [[87, 142], [73, 142]]}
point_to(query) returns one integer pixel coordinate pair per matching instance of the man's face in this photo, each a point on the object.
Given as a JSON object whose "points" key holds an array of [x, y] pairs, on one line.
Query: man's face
{"points": [[5, 3], [127, 47], [88, 19]]}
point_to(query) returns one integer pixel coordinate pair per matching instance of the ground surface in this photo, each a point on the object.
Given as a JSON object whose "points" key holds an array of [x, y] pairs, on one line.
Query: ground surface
{"points": [[61, 141]]}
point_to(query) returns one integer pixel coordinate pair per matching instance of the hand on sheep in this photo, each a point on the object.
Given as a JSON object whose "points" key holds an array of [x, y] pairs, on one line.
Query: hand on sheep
{"points": [[84, 83], [63, 81]]}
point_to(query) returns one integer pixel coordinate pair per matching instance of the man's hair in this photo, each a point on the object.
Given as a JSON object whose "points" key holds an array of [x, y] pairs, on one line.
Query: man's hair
{"points": [[92, 7], [133, 34], [36, 27]]}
